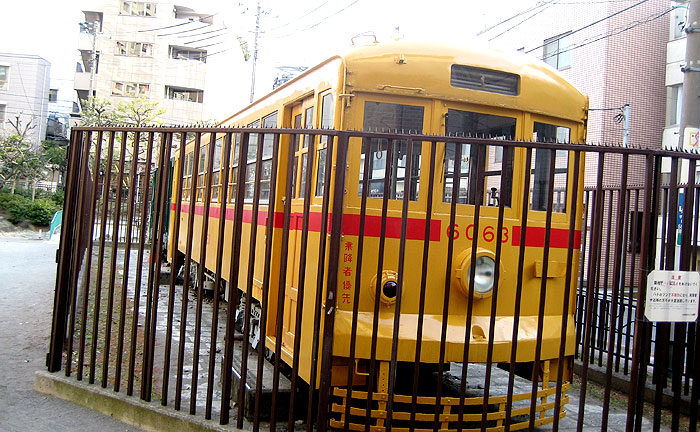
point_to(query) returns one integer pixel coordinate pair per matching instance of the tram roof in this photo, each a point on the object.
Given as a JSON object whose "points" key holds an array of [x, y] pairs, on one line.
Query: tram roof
{"points": [[423, 69], [427, 66]]}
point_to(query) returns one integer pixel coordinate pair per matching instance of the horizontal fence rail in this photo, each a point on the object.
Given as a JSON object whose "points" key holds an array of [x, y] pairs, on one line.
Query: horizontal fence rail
{"points": [[300, 278]]}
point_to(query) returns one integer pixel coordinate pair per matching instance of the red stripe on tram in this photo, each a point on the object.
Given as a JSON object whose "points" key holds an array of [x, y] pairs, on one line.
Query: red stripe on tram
{"points": [[415, 229], [559, 237]]}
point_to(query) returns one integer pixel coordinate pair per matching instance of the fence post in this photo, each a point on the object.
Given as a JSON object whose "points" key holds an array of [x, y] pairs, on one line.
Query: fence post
{"points": [[60, 308], [332, 280]]}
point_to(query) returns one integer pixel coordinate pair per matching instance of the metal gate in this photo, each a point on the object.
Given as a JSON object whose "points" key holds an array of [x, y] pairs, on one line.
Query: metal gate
{"points": [[180, 294]]}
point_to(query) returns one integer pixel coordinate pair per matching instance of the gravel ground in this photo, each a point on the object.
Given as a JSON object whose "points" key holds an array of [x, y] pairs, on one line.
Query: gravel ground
{"points": [[27, 278]]}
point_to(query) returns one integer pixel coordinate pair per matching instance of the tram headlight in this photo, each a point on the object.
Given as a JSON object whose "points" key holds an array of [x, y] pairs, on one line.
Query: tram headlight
{"points": [[484, 273]]}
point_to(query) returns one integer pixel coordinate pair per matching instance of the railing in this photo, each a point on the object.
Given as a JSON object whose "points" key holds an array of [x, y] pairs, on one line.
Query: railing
{"points": [[327, 279]]}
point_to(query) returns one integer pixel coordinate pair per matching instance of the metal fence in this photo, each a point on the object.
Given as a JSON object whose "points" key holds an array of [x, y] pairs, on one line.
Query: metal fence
{"points": [[265, 275]]}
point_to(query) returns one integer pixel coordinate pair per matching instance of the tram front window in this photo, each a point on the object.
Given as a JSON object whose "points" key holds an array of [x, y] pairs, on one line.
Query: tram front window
{"points": [[495, 160], [541, 162], [391, 118]]}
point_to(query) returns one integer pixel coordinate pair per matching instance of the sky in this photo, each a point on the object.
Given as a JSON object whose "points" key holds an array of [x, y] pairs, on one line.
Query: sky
{"points": [[292, 33]]}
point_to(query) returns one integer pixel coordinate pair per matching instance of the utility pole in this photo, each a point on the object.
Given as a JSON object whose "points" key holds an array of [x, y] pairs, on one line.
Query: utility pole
{"points": [[93, 60], [255, 53], [690, 110]]}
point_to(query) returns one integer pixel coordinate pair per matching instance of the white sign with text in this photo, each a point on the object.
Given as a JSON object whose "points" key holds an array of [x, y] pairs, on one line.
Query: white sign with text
{"points": [[672, 296]]}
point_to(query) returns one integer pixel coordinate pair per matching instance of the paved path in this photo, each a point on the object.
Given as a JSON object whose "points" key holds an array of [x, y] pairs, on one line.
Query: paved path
{"points": [[27, 278]]}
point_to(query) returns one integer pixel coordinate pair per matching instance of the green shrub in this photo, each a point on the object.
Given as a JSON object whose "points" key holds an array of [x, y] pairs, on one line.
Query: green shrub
{"points": [[20, 208], [16, 206], [39, 212]]}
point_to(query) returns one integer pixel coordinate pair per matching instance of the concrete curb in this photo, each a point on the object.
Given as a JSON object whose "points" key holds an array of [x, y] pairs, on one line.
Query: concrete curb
{"points": [[149, 416]]}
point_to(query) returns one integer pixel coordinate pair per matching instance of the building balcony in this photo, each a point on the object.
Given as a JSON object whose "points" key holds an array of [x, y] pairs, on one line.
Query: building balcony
{"points": [[81, 81]]}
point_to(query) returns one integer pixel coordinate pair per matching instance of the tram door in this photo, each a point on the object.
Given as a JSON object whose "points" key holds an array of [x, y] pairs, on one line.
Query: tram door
{"points": [[302, 117]]}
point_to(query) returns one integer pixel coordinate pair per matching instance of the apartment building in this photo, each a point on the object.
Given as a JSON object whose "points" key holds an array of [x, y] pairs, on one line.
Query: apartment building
{"points": [[155, 50], [24, 94], [615, 52]]}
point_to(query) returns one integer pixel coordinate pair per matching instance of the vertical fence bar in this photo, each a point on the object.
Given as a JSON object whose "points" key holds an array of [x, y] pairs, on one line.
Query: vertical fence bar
{"points": [[282, 281], [603, 318], [234, 268], [203, 243], [680, 334], [332, 280], [663, 329], [400, 281], [78, 250], [638, 372], [60, 308], [616, 285], [139, 268], [88, 263], [481, 162], [623, 277], [269, 231], [507, 160], [580, 297], [194, 179], [106, 185], [543, 286], [567, 289], [127, 260], [525, 204], [423, 283], [252, 240], [358, 279], [113, 263], [377, 293], [218, 280], [456, 183], [596, 235], [175, 241], [155, 261], [633, 267], [301, 283], [322, 248]]}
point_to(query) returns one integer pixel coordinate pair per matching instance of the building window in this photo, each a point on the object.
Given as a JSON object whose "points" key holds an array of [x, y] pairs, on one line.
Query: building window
{"points": [[674, 102], [4, 77], [184, 94], [557, 51], [137, 9], [53, 95], [2, 116], [129, 89], [183, 53], [134, 49]]}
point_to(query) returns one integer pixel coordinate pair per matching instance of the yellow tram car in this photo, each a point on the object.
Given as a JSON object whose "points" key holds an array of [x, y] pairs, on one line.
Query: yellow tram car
{"points": [[433, 90]]}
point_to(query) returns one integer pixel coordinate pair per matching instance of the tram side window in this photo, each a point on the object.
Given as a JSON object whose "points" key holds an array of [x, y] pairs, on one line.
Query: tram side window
{"points": [[326, 123], [216, 170], [388, 117], [187, 180], [250, 163], [202, 170], [541, 161], [266, 163], [497, 161], [303, 149], [233, 173]]}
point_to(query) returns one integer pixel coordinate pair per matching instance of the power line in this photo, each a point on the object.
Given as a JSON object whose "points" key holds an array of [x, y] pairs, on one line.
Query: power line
{"points": [[176, 25], [589, 25], [538, 5], [318, 23], [183, 31], [301, 17], [607, 35], [524, 20]]}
